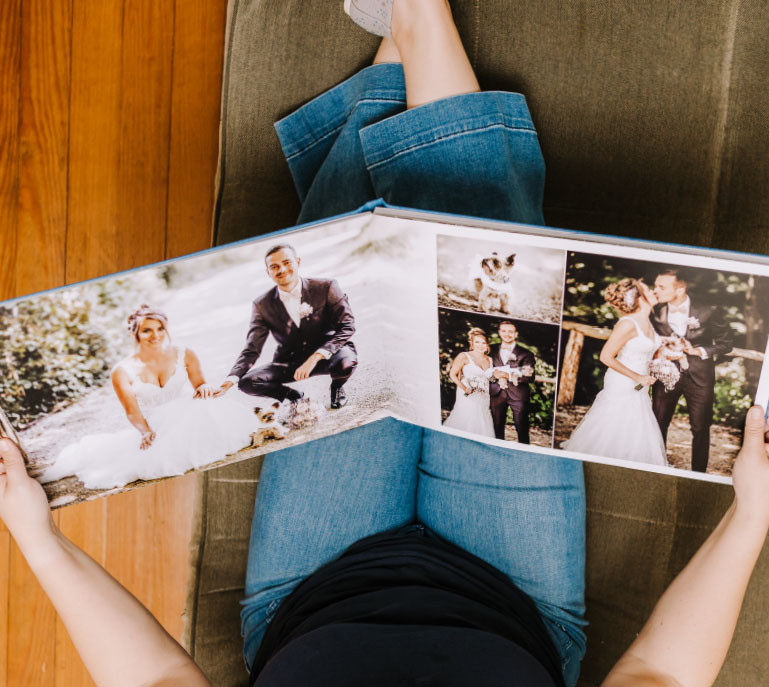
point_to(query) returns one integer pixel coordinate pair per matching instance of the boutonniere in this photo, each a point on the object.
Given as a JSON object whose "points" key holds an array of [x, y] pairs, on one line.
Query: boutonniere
{"points": [[305, 310], [692, 323]]}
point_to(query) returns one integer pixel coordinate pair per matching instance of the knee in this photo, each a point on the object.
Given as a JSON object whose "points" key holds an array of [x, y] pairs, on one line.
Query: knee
{"points": [[251, 379], [344, 368]]}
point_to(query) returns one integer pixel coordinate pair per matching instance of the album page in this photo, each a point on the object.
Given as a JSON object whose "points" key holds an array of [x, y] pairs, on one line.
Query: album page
{"points": [[624, 352], [522, 337]]}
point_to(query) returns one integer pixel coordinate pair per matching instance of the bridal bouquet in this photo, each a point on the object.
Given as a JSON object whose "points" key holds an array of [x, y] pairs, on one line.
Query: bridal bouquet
{"points": [[479, 383], [665, 371]]}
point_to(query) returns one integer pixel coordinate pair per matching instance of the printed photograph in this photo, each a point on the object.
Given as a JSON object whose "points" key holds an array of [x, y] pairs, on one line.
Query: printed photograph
{"points": [[498, 376], [659, 362], [194, 363], [501, 278]]}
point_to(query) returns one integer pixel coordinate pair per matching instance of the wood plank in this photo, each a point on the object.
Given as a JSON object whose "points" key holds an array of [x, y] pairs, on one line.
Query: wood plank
{"points": [[85, 525], [148, 546], [44, 141], [5, 561], [32, 621], [196, 106], [94, 138], [145, 119], [10, 80]]}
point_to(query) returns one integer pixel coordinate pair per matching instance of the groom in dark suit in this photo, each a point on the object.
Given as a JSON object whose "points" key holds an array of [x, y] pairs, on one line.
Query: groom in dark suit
{"points": [[706, 335], [511, 393], [311, 321]]}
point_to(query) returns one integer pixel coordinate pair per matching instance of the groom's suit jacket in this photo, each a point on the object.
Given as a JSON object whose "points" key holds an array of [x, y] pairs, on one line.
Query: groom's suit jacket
{"points": [[705, 330], [523, 358], [329, 324]]}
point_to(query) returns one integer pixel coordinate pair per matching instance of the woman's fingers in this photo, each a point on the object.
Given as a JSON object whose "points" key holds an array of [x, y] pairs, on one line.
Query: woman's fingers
{"points": [[12, 460], [755, 427]]}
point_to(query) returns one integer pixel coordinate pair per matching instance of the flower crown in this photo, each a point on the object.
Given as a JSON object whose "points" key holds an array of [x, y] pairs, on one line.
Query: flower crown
{"points": [[144, 312]]}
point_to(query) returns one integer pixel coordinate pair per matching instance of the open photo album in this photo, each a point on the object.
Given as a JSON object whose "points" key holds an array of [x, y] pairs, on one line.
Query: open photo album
{"points": [[598, 348]]}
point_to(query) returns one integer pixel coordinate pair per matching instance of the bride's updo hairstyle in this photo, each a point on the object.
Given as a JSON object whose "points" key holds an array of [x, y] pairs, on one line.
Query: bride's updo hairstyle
{"points": [[477, 331], [623, 295], [145, 312]]}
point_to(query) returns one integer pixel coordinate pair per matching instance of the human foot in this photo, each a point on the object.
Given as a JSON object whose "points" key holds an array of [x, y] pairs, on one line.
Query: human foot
{"points": [[373, 15]]}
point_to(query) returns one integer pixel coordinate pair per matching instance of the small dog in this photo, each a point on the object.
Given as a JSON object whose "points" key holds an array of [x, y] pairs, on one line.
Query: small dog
{"points": [[269, 427], [302, 413], [492, 285], [673, 349]]}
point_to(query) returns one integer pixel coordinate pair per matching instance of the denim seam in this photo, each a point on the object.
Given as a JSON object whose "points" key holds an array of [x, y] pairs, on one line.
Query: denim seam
{"points": [[315, 140], [437, 139]]}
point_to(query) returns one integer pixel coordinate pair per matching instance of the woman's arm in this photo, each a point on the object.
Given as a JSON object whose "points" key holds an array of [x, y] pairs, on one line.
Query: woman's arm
{"points": [[120, 642], [620, 335], [195, 375], [684, 642], [456, 368], [122, 385]]}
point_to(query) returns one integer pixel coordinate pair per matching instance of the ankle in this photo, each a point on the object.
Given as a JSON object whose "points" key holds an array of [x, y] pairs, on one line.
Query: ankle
{"points": [[412, 17]]}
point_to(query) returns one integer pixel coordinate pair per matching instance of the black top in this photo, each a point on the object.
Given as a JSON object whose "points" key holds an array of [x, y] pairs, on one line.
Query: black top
{"points": [[407, 608]]}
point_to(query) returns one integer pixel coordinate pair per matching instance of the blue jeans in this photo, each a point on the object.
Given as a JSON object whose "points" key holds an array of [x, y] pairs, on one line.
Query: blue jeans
{"points": [[524, 513]]}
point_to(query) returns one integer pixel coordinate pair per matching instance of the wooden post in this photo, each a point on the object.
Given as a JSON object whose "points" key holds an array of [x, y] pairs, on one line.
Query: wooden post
{"points": [[570, 367], [8, 432]]}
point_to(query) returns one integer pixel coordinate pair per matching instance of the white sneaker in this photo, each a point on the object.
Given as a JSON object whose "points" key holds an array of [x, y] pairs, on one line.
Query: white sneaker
{"points": [[373, 15]]}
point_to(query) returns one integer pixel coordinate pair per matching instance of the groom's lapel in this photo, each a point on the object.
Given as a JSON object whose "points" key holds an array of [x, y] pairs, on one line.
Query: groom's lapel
{"points": [[280, 310], [662, 316], [304, 299]]}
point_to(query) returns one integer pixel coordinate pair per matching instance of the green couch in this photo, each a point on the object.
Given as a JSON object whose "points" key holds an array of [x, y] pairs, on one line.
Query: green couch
{"points": [[652, 121]]}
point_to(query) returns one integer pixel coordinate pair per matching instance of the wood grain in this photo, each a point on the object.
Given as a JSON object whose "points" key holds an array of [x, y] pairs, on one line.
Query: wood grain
{"points": [[32, 624], [195, 113], [85, 525], [92, 227], [5, 554], [44, 142], [10, 79], [145, 119]]}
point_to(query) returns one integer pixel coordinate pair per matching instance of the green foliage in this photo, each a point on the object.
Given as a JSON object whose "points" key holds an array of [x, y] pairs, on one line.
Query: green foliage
{"points": [[50, 354], [56, 347]]}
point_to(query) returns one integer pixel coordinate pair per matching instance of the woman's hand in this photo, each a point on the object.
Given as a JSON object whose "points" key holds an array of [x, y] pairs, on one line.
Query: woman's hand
{"points": [[751, 470], [23, 503], [646, 380], [147, 438], [204, 391]]}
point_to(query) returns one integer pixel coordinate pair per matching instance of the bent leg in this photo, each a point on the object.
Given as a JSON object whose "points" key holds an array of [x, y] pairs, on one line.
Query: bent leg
{"points": [[268, 380], [339, 366], [522, 512], [321, 143], [315, 500]]}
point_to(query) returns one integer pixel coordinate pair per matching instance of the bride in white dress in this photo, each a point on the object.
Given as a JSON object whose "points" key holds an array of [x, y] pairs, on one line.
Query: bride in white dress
{"points": [[471, 371], [175, 429], [621, 423]]}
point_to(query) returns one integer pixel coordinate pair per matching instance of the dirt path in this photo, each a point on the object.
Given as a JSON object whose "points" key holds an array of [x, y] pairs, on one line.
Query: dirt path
{"points": [[724, 441]]}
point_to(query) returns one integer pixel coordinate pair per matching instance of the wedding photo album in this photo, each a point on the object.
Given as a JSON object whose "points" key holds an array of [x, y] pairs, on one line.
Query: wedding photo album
{"points": [[596, 348]]}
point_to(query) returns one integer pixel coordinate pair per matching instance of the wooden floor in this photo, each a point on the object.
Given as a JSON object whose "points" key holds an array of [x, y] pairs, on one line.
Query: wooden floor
{"points": [[109, 115]]}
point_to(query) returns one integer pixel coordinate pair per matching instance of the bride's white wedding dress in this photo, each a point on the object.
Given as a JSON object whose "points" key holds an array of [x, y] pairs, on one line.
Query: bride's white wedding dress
{"points": [[190, 433], [621, 423], [473, 413]]}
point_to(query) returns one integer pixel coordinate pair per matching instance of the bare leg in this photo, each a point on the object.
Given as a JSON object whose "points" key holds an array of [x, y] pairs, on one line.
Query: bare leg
{"points": [[388, 52], [434, 60]]}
